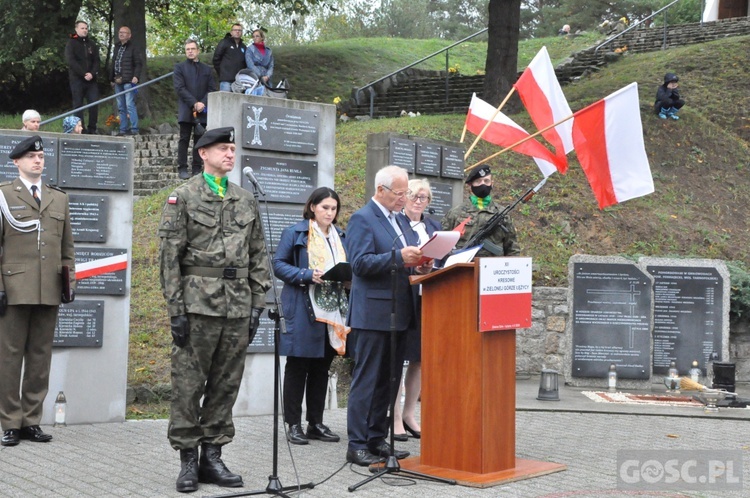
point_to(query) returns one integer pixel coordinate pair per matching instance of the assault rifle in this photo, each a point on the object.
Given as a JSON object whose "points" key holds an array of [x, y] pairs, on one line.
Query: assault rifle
{"points": [[498, 219]]}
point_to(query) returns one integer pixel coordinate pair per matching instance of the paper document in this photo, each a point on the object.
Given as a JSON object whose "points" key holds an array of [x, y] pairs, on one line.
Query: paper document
{"points": [[439, 245], [463, 256]]}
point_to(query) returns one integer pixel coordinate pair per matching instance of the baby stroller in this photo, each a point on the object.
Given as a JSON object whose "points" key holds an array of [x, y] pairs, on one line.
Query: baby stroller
{"points": [[248, 83]]}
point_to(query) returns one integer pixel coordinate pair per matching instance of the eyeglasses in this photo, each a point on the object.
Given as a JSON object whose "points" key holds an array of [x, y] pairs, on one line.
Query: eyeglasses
{"points": [[397, 194], [419, 198]]}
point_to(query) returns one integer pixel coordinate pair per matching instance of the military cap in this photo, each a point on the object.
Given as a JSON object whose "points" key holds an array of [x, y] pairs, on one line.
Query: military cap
{"points": [[216, 136], [31, 144], [480, 172]]}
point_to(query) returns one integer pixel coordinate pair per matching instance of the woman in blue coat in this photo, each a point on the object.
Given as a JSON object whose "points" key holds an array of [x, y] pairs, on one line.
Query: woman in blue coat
{"points": [[315, 312], [259, 58]]}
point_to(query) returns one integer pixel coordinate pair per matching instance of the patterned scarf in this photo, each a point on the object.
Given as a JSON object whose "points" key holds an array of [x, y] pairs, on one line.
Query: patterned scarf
{"points": [[481, 203], [217, 187], [329, 301]]}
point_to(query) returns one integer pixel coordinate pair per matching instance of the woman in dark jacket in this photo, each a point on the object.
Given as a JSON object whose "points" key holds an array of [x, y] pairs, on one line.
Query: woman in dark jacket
{"points": [[315, 312]]}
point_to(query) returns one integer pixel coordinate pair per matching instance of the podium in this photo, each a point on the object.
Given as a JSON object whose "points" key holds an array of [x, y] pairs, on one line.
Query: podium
{"points": [[468, 388]]}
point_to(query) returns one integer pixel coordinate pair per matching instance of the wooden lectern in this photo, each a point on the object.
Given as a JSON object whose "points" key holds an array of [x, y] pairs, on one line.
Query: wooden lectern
{"points": [[468, 388]]}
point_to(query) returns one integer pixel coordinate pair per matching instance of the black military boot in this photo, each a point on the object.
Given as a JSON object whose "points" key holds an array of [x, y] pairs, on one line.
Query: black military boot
{"points": [[187, 481], [212, 469]]}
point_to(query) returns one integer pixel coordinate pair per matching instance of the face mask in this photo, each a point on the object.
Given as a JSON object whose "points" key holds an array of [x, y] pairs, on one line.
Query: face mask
{"points": [[481, 191]]}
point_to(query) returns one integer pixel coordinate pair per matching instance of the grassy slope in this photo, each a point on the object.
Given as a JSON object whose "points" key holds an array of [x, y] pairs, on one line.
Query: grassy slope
{"points": [[699, 166]]}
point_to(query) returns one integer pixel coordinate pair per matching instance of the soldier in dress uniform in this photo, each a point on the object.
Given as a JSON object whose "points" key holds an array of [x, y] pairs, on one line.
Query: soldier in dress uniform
{"points": [[214, 276], [37, 241]]}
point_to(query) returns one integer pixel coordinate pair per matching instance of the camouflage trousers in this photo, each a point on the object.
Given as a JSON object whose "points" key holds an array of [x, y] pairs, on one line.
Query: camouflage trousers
{"points": [[210, 366]]}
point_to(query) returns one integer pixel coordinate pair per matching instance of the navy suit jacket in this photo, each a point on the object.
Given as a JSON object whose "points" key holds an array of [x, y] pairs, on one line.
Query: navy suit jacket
{"points": [[193, 81], [370, 238]]}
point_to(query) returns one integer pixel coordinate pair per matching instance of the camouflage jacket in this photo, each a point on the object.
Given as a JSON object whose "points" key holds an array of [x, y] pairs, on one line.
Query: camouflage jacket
{"points": [[478, 218], [200, 231]]}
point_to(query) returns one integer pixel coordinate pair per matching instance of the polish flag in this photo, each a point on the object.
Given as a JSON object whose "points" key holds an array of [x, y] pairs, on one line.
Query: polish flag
{"points": [[101, 266], [503, 131], [543, 98], [608, 139]]}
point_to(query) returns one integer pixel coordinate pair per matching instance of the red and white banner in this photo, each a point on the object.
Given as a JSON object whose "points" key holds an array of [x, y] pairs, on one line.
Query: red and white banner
{"points": [[608, 138], [504, 293], [101, 266], [504, 132], [543, 98]]}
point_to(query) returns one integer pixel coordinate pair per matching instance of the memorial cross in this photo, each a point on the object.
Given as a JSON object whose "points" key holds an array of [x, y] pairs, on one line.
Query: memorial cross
{"points": [[258, 124], [631, 294]]}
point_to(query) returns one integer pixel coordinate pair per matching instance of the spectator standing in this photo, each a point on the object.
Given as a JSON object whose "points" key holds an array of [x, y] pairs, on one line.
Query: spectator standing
{"points": [[125, 73], [31, 120], [229, 58], [192, 82], [82, 56], [259, 58], [37, 241]]}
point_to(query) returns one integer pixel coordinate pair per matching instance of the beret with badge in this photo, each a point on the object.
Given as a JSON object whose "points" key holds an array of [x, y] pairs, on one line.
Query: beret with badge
{"points": [[216, 136], [31, 144], [480, 172]]}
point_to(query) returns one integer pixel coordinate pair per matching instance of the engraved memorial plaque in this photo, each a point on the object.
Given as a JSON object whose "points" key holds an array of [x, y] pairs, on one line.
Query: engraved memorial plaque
{"points": [[442, 199], [9, 171], [88, 217], [688, 316], [283, 180], [281, 217], [402, 153], [453, 162], [428, 159], [94, 165], [266, 127], [611, 320], [80, 324], [110, 283], [263, 340]]}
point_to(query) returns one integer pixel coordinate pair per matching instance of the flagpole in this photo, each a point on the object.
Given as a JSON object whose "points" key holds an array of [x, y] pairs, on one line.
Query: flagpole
{"points": [[466, 170], [497, 111]]}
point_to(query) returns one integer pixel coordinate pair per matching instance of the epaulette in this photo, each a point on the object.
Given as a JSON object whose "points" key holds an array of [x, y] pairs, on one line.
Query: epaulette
{"points": [[53, 187], [7, 182]]}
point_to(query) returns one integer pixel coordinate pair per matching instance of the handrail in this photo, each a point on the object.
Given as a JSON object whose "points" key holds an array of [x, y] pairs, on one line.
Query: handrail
{"points": [[132, 89], [610, 40], [372, 96]]}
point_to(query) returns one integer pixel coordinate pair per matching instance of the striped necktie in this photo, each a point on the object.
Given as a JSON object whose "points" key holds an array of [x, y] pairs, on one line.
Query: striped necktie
{"points": [[35, 193]]}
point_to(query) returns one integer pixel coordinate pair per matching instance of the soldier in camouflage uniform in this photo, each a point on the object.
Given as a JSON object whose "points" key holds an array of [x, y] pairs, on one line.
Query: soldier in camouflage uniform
{"points": [[476, 211], [214, 275]]}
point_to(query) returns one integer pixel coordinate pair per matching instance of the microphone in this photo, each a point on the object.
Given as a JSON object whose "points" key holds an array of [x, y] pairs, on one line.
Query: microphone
{"points": [[431, 210], [248, 172]]}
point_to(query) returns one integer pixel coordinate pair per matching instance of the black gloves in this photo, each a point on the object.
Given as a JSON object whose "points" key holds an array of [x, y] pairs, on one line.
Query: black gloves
{"points": [[180, 330], [3, 303], [255, 322], [65, 299]]}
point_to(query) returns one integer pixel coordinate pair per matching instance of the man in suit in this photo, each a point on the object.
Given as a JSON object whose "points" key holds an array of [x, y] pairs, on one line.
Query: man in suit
{"points": [[372, 233], [193, 81], [37, 241], [82, 56]]}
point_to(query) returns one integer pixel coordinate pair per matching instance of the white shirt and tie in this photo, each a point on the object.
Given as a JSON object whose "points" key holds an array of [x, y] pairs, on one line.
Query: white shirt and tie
{"points": [[35, 189]]}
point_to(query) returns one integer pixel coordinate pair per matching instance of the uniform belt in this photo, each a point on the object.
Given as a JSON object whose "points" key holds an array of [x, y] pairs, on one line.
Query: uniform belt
{"points": [[229, 273]]}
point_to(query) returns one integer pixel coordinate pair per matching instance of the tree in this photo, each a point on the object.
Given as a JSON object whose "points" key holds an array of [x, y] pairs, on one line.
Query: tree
{"points": [[501, 68]]}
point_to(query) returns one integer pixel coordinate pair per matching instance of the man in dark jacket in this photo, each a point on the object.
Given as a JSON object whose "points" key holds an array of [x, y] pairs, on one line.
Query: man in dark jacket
{"points": [[82, 56], [192, 82], [229, 58], [124, 74]]}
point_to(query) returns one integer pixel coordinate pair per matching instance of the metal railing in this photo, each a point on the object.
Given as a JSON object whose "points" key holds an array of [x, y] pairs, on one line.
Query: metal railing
{"points": [[370, 85], [639, 23], [105, 99]]}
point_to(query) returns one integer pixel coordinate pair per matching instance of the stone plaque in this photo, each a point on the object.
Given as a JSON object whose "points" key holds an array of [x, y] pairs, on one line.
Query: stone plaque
{"points": [[263, 340], [283, 129], [94, 165], [9, 171], [88, 217], [442, 199], [687, 316], [453, 162], [111, 283], [428, 159], [280, 217], [80, 324], [278, 284], [283, 180], [611, 320], [402, 153]]}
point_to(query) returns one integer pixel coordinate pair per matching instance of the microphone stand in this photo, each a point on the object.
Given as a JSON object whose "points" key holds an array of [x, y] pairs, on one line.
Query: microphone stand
{"points": [[391, 465], [274, 487]]}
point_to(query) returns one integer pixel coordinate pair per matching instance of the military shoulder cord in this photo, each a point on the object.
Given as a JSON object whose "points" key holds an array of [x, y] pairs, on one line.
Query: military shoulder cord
{"points": [[21, 226]]}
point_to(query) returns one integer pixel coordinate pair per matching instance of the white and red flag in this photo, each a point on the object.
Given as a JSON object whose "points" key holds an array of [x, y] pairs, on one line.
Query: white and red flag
{"points": [[543, 98], [504, 132], [100, 266], [608, 138]]}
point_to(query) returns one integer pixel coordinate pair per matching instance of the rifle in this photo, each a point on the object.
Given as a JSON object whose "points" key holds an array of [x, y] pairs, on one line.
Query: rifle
{"points": [[498, 219]]}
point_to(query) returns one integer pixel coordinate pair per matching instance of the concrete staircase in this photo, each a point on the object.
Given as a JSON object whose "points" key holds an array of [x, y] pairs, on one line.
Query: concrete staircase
{"points": [[154, 163]]}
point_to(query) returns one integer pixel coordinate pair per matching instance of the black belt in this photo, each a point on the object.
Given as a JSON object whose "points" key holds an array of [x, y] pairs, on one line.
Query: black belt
{"points": [[228, 273]]}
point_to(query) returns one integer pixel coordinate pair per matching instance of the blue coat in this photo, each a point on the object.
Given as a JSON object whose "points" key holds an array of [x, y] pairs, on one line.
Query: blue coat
{"points": [[431, 224], [193, 81], [370, 238], [305, 337], [260, 64]]}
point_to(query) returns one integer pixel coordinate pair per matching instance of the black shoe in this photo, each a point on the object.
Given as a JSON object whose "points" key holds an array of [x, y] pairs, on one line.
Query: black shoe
{"points": [[321, 432], [183, 172], [414, 434], [212, 469], [187, 481], [35, 434], [401, 437], [384, 450], [296, 435], [122, 133], [362, 458], [11, 437]]}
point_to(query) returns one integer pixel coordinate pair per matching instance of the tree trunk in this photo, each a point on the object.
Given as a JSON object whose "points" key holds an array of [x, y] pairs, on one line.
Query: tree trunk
{"points": [[501, 68], [132, 13]]}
